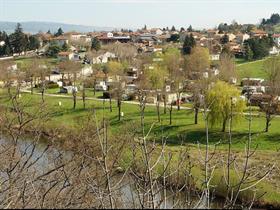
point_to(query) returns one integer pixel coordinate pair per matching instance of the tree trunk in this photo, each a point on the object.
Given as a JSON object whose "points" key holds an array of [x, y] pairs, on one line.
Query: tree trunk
{"points": [[178, 101], [170, 114], [267, 124], [196, 115], [31, 83], [164, 102], [224, 125], [158, 112], [42, 94], [119, 107], [110, 101], [84, 97], [94, 85], [74, 99]]}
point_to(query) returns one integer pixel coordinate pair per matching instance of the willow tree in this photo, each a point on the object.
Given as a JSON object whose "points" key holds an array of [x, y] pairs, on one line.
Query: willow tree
{"points": [[225, 103]]}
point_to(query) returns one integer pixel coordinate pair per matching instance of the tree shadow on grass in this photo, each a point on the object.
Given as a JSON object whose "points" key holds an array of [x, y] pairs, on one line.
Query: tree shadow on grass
{"points": [[199, 136]]}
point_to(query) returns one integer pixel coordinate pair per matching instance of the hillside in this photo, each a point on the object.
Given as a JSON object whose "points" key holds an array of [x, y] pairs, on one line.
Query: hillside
{"points": [[34, 27]]}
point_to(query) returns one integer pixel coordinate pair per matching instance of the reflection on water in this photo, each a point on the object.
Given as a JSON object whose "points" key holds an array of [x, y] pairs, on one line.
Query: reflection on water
{"points": [[128, 195]]}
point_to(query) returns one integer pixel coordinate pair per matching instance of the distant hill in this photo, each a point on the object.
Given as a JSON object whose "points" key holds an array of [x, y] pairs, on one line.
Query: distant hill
{"points": [[34, 27]]}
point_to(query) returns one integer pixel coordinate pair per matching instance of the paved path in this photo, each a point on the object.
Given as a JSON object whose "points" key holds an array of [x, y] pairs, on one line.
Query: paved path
{"points": [[99, 99], [126, 102]]}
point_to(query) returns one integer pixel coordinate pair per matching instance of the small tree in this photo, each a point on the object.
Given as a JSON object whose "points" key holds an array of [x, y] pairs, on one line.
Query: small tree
{"points": [[189, 43], [95, 44], [72, 69], [59, 32], [227, 67], [272, 69], [173, 61], [225, 100]]}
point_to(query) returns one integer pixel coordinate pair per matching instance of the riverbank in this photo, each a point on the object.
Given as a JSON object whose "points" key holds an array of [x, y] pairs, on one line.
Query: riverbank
{"points": [[64, 128]]}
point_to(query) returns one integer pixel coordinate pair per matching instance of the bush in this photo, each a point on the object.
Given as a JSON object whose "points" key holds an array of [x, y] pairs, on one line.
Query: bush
{"points": [[52, 86]]}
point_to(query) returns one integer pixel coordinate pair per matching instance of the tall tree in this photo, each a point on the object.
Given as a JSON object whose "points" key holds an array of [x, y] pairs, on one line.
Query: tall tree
{"points": [[173, 62], [272, 69], [95, 44], [189, 43], [224, 39], [18, 40], [225, 100], [195, 65], [190, 29], [59, 32], [173, 28]]}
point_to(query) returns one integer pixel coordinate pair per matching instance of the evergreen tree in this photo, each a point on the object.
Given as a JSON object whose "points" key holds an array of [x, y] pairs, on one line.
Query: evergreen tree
{"points": [[174, 38], [49, 32], [33, 43], [248, 53], [225, 39], [189, 43], [5, 47], [173, 28], [18, 40], [95, 44], [59, 32], [65, 47], [190, 29]]}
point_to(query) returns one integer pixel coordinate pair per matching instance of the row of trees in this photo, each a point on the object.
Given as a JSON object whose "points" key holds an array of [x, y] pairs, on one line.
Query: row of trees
{"points": [[17, 42], [257, 48]]}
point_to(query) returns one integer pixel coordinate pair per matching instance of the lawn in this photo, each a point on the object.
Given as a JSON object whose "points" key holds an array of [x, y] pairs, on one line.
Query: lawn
{"points": [[251, 69], [182, 128]]}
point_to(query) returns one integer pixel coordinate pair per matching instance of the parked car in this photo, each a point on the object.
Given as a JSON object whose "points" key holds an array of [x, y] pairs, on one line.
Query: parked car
{"points": [[101, 87]]}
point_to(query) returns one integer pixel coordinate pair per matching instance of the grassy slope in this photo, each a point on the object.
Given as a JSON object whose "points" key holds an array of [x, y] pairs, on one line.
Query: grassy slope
{"points": [[251, 69], [183, 122]]}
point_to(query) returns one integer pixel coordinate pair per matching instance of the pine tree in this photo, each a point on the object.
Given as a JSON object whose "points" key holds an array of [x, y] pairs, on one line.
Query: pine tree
{"points": [[95, 44], [59, 32], [49, 32], [190, 29], [65, 47], [225, 39], [189, 43], [18, 40], [173, 28]]}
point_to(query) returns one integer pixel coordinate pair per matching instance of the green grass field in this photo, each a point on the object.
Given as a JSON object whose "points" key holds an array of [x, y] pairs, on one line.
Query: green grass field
{"points": [[251, 69], [182, 127]]}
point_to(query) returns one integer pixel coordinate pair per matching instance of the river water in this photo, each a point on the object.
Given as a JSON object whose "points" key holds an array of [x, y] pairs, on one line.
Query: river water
{"points": [[127, 192]]}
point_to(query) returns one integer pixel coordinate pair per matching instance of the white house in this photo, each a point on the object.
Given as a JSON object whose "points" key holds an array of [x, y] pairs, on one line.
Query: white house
{"points": [[240, 38], [276, 39], [274, 51], [104, 58], [215, 57], [86, 70], [156, 31]]}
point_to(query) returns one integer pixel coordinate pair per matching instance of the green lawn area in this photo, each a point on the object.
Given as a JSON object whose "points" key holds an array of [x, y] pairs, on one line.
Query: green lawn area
{"points": [[28, 60], [182, 128], [251, 69]]}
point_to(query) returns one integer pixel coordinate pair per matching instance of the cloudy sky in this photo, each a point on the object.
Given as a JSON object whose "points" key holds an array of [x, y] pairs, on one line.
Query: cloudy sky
{"points": [[136, 13]]}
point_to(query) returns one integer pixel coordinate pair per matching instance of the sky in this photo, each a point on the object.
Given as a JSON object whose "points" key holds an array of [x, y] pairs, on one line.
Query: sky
{"points": [[136, 13]]}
